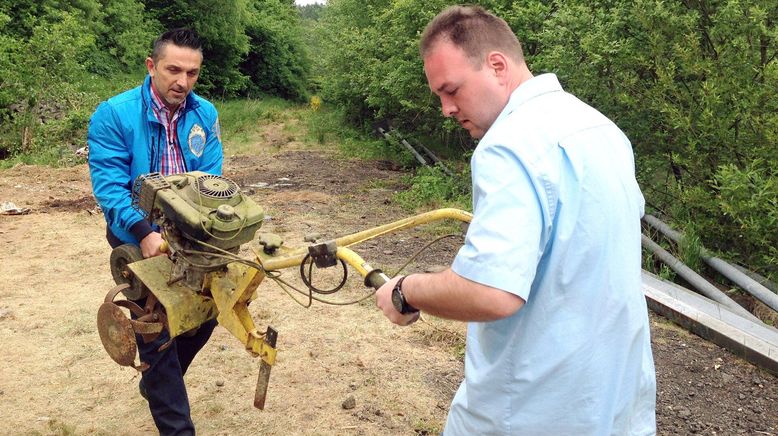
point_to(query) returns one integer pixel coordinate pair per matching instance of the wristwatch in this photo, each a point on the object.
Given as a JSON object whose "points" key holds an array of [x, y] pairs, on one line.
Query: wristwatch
{"points": [[398, 299]]}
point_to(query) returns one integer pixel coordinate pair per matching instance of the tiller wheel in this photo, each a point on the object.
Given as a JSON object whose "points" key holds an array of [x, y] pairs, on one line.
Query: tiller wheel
{"points": [[117, 331]]}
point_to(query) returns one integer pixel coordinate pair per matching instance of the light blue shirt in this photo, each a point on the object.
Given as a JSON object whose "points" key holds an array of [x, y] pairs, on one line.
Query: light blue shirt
{"points": [[557, 222]]}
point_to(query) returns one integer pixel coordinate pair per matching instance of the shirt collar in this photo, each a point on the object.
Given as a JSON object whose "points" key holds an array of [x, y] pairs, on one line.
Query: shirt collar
{"points": [[159, 105], [530, 89]]}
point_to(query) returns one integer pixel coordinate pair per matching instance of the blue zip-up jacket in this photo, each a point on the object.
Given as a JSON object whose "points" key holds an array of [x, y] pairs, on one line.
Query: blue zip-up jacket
{"points": [[126, 140]]}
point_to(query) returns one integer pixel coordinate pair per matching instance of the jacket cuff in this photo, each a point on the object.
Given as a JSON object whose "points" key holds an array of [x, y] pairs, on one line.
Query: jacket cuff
{"points": [[141, 229]]}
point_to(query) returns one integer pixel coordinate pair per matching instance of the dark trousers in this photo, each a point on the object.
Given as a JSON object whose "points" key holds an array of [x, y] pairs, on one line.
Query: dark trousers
{"points": [[163, 382]]}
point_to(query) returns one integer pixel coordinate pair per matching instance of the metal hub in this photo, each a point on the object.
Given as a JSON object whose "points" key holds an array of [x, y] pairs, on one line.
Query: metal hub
{"points": [[116, 334]]}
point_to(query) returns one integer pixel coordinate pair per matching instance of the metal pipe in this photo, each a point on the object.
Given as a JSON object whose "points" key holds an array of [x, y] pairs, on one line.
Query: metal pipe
{"points": [[695, 280], [762, 280], [733, 273], [435, 159], [407, 147]]}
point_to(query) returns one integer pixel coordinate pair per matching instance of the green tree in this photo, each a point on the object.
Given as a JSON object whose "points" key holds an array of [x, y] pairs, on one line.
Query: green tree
{"points": [[222, 26], [312, 11], [47, 52], [692, 83], [277, 62]]}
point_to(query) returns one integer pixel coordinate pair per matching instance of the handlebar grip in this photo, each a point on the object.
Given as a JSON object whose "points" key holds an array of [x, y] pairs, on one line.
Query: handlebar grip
{"points": [[375, 279]]}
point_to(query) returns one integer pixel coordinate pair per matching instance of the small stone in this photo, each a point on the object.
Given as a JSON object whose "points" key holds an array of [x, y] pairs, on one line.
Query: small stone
{"points": [[741, 397], [388, 252], [6, 313], [349, 403], [312, 237], [684, 412], [352, 386], [220, 383], [223, 347]]}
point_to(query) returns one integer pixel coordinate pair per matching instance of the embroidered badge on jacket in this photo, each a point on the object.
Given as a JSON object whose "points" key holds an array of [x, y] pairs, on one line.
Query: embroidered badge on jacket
{"points": [[197, 140]]}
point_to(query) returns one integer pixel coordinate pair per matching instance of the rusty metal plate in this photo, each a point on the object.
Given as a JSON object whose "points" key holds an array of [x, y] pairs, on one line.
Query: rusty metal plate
{"points": [[116, 334], [185, 308]]}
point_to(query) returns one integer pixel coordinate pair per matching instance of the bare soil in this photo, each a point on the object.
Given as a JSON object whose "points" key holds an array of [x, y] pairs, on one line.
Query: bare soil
{"points": [[55, 377]]}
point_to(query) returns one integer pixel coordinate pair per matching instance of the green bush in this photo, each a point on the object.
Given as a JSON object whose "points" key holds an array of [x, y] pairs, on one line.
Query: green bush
{"points": [[59, 59], [431, 188], [691, 83], [222, 27], [277, 62]]}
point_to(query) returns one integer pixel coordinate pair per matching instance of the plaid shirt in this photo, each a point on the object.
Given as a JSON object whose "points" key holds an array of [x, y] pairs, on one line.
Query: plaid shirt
{"points": [[171, 160]]}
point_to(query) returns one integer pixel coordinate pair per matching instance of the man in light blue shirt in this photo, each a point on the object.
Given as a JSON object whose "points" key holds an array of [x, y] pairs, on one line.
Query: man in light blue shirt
{"points": [[549, 276]]}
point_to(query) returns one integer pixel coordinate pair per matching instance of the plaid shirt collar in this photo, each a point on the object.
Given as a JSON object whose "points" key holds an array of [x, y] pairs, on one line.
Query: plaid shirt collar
{"points": [[169, 158], [160, 107]]}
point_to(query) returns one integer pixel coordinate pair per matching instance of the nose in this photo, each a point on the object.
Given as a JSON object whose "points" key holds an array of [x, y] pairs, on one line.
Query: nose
{"points": [[448, 107], [181, 80]]}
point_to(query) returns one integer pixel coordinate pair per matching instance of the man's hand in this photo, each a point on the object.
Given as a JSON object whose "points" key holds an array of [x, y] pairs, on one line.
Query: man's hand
{"points": [[383, 299], [150, 245]]}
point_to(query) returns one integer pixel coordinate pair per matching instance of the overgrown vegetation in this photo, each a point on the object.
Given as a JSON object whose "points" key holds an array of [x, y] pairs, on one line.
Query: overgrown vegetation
{"points": [[431, 187], [60, 59], [691, 83]]}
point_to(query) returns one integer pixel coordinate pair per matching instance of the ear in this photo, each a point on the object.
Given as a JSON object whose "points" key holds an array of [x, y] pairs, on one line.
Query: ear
{"points": [[498, 62], [150, 66]]}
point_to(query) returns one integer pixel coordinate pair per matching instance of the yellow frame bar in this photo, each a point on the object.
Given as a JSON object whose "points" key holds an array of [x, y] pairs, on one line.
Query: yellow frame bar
{"points": [[295, 257]]}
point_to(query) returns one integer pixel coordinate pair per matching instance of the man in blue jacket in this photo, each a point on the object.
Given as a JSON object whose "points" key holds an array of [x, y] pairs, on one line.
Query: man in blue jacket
{"points": [[160, 126]]}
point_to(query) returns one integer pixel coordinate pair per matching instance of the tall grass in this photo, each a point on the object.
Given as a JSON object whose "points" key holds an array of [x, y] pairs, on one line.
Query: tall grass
{"points": [[54, 126], [243, 119]]}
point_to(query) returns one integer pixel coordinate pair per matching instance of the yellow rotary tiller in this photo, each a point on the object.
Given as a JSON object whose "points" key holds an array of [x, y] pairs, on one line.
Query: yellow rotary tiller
{"points": [[204, 220]]}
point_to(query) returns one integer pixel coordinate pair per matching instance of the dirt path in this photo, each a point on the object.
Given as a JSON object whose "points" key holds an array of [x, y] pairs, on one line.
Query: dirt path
{"points": [[55, 377]]}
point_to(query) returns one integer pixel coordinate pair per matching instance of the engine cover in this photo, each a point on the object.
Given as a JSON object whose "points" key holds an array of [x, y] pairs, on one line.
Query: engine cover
{"points": [[202, 207]]}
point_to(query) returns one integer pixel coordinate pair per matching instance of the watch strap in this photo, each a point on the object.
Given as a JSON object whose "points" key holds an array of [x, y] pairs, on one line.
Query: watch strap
{"points": [[405, 308]]}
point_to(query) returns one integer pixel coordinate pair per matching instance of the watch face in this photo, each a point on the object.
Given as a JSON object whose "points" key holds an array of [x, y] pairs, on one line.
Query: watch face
{"points": [[397, 300]]}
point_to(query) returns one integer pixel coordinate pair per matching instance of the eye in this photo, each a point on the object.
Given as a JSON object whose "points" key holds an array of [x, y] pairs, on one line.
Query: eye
{"points": [[452, 92]]}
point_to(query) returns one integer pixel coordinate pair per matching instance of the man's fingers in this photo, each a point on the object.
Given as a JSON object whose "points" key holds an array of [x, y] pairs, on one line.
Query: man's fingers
{"points": [[410, 319]]}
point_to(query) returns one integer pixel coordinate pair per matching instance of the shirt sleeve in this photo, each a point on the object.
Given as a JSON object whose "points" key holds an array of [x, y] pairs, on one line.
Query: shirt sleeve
{"points": [[109, 169], [504, 241]]}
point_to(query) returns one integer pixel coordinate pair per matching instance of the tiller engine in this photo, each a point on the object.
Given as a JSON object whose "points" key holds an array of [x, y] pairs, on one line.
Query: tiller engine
{"points": [[204, 220]]}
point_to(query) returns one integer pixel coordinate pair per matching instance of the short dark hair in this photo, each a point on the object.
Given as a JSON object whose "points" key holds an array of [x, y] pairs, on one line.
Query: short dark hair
{"points": [[180, 37], [474, 30]]}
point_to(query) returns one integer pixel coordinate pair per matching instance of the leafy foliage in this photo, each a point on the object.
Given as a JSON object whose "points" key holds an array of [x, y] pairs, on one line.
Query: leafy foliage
{"points": [[692, 83], [222, 29], [432, 187], [59, 59], [688, 82], [312, 11], [277, 62]]}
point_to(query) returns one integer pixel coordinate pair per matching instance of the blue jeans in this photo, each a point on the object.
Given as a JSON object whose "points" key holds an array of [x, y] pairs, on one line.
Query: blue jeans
{"points": [[163, 382]]}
